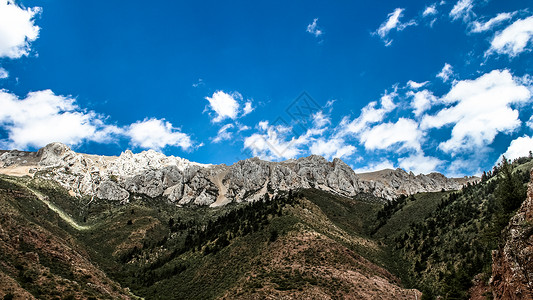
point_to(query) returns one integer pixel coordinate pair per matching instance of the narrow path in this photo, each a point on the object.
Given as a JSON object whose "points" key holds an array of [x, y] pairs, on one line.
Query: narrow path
{"points": [[59, 211], [53, 207]]}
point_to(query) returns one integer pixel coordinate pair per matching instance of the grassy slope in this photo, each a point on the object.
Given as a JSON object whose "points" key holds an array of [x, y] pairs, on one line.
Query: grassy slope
{"points": [[38, 255]]}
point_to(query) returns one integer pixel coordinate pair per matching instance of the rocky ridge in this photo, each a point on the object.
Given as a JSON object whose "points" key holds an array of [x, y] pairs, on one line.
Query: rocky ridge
{"points": [[183, 182], [512, 269]]}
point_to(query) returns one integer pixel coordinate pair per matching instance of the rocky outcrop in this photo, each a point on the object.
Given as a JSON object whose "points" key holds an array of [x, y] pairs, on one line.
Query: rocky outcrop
{"points": [[389, 183], [183, 182], [512, 268]]}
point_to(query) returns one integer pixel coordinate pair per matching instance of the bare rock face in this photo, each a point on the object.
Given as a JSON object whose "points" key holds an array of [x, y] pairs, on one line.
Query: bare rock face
{"points": [[111, 191], [183, 182], [512, 267]]}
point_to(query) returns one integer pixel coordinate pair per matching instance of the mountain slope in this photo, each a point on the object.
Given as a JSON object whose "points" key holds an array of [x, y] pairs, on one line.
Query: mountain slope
{"points": [[283, 247], [39, 258]]}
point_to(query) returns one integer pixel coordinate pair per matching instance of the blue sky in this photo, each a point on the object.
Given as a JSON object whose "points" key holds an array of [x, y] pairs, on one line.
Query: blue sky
{"points": [[422, 85]]}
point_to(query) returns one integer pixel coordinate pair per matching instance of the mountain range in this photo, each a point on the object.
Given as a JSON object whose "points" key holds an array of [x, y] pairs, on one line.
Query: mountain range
{"points": [[146, 225]]}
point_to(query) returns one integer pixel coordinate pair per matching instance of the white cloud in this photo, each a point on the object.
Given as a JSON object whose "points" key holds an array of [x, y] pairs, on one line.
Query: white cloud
{"points": [[247, 108], [430, 10], [17, 29], [419, 163], [416, 85], [393, 22], [375, 166], [477, 27], [200, 82], [422, 101], [369, 115], [43, 117], [224, 105], [446, 72], [519, 147], [3, 73], [157, 134], [274, 142], [320, 120], [530, 122], [224, 134], [462, 9], [313, 28], [228, 106], [481, 109], [514, 39], [331, 148], [404, 132], [243, 127]]}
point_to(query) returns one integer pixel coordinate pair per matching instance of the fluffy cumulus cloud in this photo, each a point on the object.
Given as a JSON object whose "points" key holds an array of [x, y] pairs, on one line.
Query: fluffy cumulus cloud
{"points": [[157, 134], [313, 28], [422, 101], [477, 26], [224, 105], [331, 148], [43, 117], [393, 23], [446, 72], [419, 163], [462, 10], [17, 29], [514, 39], [404, 132], [478, 110], [274, 142], [228, 106], [519, 147], [248, 108]]}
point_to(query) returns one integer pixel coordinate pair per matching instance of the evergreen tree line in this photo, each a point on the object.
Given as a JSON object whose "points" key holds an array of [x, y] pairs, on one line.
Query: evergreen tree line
{"points": [[208, 238], [454, 243]]}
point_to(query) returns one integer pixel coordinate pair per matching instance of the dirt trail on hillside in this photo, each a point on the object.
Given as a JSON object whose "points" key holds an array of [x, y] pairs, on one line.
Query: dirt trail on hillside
{"points": [[59, 211]]}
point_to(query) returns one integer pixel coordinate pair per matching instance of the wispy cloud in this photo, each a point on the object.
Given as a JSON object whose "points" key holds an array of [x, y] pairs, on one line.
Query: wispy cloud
{"points": [[3, 73], [477, 26], [393, 23], [430, 10], [446, 73], [314, 29], [463, 9], [224, 133]]}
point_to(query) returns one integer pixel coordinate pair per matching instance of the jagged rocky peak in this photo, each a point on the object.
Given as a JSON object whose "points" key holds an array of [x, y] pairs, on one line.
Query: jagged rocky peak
{"points": [[184, 182]]}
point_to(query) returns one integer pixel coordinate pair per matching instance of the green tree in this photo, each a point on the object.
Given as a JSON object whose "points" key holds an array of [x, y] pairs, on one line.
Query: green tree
{"points": [[510, 191]]}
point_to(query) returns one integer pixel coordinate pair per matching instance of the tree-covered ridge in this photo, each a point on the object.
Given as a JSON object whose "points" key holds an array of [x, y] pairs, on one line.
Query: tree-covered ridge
{"points": [[453, 244]]}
